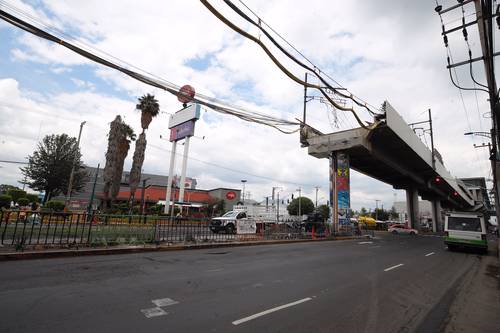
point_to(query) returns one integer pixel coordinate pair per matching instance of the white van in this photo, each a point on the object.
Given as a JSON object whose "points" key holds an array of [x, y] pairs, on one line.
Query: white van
{"points": [[465, 230]]}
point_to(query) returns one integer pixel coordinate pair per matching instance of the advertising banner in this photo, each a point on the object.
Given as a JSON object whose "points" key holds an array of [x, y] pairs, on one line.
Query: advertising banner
{"points": [[182, 130], [246, 226], [343, 188]]}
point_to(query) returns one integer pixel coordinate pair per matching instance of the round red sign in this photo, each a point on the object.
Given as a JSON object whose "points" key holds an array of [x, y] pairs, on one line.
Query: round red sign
{"points": [[230, 195], [186, 94]]}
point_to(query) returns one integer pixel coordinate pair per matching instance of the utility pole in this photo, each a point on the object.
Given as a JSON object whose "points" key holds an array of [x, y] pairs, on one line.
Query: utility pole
{"points": [[243, 181], [484, 12], [278, 208], [317, 187], [91, 200], [142, 194], [376, 209], [72, 174], [484, 21], [300, 212], [432, 141]]}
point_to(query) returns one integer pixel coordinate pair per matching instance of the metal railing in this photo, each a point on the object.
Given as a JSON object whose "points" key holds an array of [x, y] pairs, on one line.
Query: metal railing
{"points": [[33, 229]]}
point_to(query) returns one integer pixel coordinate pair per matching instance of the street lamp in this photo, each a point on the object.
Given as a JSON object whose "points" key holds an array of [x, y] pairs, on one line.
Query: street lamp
{"points": [[243, 181], [300, 212], [485, 134]]}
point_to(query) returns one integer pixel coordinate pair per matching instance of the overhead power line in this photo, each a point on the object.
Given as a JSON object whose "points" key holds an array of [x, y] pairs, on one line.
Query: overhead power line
{"points": [[281, 125], [281, 66]]}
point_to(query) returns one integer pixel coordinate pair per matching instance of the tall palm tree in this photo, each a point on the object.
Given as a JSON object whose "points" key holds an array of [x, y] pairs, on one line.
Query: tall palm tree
{"points": [[149, 108], [119, 137]]}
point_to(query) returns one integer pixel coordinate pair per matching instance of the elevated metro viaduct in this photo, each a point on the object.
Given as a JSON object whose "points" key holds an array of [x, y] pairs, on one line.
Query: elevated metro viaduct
{"points": [[391, 152]]}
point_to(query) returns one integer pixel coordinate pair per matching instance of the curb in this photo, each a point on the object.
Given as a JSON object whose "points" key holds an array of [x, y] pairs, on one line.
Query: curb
{"points": [[158, 248]]}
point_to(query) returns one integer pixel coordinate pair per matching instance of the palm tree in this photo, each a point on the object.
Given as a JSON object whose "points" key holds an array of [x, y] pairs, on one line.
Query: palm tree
{"points": [[149, 108], [119, 137]]}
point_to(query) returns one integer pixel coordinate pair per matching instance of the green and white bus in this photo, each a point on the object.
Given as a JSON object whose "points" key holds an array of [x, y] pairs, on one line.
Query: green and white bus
{"points": [[465, 230]]}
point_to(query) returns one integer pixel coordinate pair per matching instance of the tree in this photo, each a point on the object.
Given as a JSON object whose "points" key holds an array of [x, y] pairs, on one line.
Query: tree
{"points": [[393, 214], [149, 108], [119, 137], [363, 211], [5, 200], [306, 206], [16, 194], [324, 211], [4, 188], [50, 166]]}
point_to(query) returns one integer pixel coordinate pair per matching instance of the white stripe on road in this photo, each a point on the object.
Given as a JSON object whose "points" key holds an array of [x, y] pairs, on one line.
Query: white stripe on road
{"points": [[164, 302], [429, 254], [154, 312], [392, 267], [365, 243], [263, 313]]}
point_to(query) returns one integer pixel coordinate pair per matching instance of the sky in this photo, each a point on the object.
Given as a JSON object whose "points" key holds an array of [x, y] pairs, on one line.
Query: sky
{"points": [[380, 50]]}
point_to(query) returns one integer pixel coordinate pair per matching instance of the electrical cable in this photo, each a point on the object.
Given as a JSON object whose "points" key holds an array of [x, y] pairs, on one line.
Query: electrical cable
{"points": [[298, 62], [301, 54], [278, 64], [158, 83]]}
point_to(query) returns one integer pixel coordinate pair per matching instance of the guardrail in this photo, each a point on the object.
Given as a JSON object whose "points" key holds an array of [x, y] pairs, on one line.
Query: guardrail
{"points": [[22, 229]]}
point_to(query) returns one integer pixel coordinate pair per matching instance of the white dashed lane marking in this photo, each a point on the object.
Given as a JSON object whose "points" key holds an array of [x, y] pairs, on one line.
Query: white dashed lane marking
{"points": [[429, 254], [393, 267], [263, 313]]}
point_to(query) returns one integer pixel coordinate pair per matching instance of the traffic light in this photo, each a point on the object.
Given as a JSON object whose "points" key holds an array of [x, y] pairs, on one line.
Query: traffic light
{"points": [[437, 180], [455, 193]]}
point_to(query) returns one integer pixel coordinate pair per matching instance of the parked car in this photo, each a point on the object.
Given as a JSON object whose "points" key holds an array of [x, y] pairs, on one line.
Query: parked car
{"points": [[402, 229]]}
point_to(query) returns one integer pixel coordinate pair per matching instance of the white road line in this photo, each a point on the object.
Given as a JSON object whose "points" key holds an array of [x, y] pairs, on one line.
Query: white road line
{"points": [[154, 312], [429, 254], [164, 302], [214, 270], [393, 267], [263, 313], [365, 242]]}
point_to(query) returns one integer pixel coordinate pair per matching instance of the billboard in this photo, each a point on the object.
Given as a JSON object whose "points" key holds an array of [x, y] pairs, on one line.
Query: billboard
{"points": [[182, 130], [192, 112]]}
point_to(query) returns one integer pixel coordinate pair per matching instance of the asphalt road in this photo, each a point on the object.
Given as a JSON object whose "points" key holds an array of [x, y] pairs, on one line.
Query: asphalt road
{"points": [[391, 284]]}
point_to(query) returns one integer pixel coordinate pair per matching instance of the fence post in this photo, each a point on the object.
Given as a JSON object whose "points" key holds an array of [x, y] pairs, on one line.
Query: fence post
{"points": [[89, 239]]}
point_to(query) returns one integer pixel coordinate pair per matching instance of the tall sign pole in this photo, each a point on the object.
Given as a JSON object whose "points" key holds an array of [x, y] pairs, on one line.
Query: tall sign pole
{"points": [[170, 176], [181, 126]]}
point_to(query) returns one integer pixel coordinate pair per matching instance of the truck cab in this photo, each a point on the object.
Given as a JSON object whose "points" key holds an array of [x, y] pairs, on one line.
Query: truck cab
{"points": [[227, 222]]}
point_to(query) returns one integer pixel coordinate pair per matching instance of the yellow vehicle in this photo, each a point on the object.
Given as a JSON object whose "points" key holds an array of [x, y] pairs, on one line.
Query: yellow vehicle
{"points": [[367, 221]]}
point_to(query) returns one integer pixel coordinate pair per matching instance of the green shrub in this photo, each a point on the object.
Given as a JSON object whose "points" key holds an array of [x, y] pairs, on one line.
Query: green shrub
{"points": [[5, 200], [23, 201], [55, 205], [33, 198], [16, 194]]}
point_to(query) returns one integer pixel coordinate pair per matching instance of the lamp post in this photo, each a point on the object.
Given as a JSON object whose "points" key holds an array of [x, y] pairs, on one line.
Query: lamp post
{"points": [[72, 174], [243, 181]]}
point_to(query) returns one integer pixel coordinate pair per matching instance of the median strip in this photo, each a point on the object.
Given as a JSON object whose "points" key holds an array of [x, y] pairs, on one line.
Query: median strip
{"points": [[393, 267], [263, 313]]}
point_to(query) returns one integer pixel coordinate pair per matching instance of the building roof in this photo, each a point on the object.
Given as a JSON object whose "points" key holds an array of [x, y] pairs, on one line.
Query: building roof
{"points": [[156, 193]]}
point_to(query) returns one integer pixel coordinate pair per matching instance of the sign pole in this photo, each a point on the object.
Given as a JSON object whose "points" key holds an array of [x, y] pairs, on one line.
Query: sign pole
{"points": [[184, 167], [170, 178]]}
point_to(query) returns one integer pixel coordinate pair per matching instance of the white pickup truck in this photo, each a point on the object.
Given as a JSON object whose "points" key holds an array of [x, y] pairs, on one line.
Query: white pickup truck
{"points": [[229, 221]]}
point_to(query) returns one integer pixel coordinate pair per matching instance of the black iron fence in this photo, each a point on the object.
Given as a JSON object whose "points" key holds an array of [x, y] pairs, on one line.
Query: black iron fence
{"points": [[24, 229]]}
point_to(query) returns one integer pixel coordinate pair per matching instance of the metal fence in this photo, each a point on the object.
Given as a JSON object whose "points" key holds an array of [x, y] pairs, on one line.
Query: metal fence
{"points": [[25, 229]]}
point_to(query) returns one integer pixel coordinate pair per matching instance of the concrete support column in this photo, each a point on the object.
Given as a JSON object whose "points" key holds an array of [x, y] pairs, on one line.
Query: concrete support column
{"points": [[437, 224], [412, 208]]}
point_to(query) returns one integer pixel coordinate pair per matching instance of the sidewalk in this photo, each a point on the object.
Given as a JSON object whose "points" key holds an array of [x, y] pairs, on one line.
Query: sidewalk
{"points": [[57, 253], [477, 303]]}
